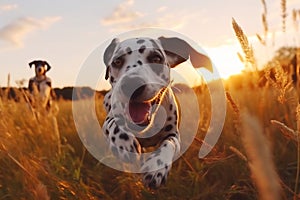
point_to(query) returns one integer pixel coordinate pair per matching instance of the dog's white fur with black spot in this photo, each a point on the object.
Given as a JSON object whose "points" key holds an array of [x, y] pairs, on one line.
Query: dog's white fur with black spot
{"points": [[141, 108]]}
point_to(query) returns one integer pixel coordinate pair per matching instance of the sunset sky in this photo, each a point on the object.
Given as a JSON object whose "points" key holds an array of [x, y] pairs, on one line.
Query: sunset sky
{"points": [[66, 32]]}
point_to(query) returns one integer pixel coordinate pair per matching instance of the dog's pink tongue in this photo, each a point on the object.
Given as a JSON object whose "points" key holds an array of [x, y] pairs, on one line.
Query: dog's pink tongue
{"points": [[139, 112]]}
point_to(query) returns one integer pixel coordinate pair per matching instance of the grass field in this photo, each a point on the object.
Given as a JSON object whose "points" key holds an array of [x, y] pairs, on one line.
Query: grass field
{"points": [[256, 157], [239, 167]]}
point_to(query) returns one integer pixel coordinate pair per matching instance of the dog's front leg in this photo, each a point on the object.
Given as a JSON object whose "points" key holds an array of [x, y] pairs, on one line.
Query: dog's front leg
{"points": [[158, 164], [124, 145]]}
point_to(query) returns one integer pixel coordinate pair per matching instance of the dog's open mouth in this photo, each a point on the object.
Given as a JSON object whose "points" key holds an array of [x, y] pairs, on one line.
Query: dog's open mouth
{"points": [[141, 112]]}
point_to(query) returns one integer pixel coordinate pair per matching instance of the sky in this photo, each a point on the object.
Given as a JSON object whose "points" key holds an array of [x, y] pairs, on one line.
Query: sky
{"points": [[67, 33]]}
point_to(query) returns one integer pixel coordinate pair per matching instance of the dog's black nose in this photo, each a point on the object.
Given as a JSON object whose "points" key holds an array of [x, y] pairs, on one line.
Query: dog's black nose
{"points": [[133, 87]]}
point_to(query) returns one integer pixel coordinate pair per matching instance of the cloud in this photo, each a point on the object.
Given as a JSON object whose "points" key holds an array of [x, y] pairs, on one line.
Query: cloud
{"points": [[124, 18], [164, 21], [15, 32], [8, 7], [122, 14], [161, 9]]}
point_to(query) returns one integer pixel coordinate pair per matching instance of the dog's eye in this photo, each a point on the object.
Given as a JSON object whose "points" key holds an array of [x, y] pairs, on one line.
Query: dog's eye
{"points": [[118, 62], [156, 58]]}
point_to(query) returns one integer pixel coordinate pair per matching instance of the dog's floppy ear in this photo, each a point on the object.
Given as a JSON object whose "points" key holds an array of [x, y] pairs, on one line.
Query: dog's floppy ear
{"points": [[179, 51], [108, 55], [31, 63], [48, 66]]}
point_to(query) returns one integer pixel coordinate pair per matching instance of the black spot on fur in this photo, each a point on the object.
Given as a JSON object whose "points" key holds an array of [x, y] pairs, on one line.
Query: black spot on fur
{"points": [[107, 132], [171, 107], [159, 162], [116, 130], [111, 124], [112, 79], [169, 118], [142, 49], [113, 139], [169, 127], [140, 41], [128, 50], [109, 120], [148, 177], [124, 136], [134, 66], [139, 62], [153, 184]]}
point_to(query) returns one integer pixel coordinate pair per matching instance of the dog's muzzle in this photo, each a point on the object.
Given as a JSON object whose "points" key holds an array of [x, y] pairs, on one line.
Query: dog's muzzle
{"points": [[143, 98]]}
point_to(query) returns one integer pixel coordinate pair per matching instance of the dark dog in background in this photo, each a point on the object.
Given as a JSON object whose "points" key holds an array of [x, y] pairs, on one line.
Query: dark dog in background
{"points": [[40, 86]]}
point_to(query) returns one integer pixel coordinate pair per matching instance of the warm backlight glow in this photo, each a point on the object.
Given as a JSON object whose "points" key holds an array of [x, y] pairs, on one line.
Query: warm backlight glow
{"points": [[226, 60]]}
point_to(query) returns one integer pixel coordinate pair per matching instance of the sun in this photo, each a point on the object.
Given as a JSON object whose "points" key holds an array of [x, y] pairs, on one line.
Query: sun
{"points": [[225, 60]]}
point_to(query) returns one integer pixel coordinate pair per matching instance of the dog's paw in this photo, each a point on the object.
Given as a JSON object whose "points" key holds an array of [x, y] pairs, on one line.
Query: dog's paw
{"points": [[154, 179], [157, 166], [126, 147]]}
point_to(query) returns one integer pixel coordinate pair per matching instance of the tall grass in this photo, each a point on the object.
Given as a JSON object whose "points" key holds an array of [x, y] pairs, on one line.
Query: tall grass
{"points": [[256, 157]]}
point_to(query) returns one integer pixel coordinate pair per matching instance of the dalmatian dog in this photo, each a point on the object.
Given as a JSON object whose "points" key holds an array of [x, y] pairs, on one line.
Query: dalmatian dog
{"points": [[40, 86], [142, 112]]}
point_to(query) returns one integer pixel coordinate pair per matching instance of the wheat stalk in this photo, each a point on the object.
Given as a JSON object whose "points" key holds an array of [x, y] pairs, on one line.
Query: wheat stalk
{"points": [[264, 6], [238, 153], [283, 15], [247, 48], [286, 131], [236, 111], [264, 22], [260, 39], [260, 158]]}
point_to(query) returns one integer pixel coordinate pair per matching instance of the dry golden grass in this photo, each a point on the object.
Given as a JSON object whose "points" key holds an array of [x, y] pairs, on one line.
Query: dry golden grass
{"points": [[256, 157], [250, 61], [32, 168]]}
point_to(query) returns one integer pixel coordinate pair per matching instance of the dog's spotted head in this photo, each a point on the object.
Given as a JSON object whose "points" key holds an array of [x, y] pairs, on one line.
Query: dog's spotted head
{"points": [[139, 69], [41, 67]]}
